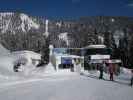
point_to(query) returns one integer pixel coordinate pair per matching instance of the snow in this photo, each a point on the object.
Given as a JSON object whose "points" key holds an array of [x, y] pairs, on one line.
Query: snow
{"points": [[8, 60], [27, 53], [62, 86], [26, 19], [4, 14], [64, 37], [3, 50], [125, 73], [29, 59], [6, 26], [98, 56], [6, 23], [26, 57], [5, 63], [118, 34], [123, 78], [49, 68], [101, 39], [112, 20], [96, 46], [59, 24], [125, 70]]}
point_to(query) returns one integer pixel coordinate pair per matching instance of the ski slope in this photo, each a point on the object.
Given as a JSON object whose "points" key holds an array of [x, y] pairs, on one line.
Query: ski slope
{"points": [[70, 86]]}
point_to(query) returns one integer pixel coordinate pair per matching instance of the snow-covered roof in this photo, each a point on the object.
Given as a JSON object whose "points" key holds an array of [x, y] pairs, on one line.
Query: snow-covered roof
{"points": [[96, 46], [100, 56], [26, 53], [114, 61]]}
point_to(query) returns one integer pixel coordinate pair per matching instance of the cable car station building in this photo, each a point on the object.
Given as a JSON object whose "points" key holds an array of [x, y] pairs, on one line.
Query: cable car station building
{"points": [[77, 59]]}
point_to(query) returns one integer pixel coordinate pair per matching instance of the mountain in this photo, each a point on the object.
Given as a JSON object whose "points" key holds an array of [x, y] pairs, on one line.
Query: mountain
{"points": [[17, 22]]}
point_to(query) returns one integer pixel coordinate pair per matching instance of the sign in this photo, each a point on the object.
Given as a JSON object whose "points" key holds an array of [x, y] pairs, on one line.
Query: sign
{"points": [[96, 61], [66, 60], [100, 56], [114, 61]]}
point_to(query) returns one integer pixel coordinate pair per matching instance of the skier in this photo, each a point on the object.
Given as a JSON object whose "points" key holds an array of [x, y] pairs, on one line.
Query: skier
{"points": [[111, 72], [101, 71], [131, 78]]}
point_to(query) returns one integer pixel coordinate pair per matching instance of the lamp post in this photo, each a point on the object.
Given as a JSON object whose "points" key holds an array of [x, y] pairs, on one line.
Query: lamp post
{"points": [[46, 28], [51, 52]]}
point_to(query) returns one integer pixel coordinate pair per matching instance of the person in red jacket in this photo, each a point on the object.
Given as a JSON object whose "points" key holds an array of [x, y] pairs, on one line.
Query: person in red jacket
{"points": [[111, 72]]}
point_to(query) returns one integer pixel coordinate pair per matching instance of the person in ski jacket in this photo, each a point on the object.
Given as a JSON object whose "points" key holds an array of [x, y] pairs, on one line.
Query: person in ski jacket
{"points": [[111, 72], [101, 71]]}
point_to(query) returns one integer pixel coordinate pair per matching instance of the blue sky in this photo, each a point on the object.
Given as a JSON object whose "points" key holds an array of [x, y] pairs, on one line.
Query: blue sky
{"points": [[69, 8]]}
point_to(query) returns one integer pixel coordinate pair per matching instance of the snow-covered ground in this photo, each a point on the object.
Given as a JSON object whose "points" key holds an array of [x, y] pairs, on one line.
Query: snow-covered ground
{"points": [[70, 86], [60, 85], [122, 78]]}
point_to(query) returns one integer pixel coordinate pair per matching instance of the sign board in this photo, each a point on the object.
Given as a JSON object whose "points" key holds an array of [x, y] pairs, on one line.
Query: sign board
{"points": [[114, 61], [100, 57], [66, 60], [95, 61]]}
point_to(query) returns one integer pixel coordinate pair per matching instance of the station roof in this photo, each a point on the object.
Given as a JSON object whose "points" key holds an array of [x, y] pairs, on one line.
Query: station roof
{"points": [[96, 46]]}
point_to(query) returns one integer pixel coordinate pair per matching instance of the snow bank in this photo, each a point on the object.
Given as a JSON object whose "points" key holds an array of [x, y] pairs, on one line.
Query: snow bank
{"points": [[6, 65], [125, 70], [29, 60], [3, 51], [125, 74]]}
